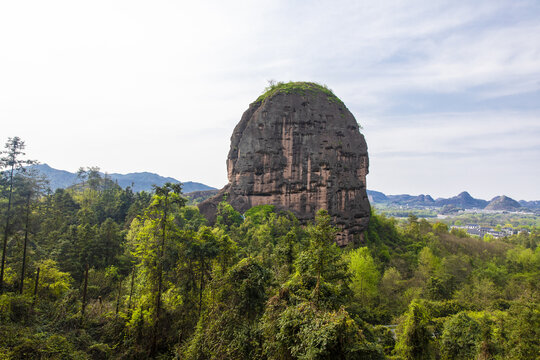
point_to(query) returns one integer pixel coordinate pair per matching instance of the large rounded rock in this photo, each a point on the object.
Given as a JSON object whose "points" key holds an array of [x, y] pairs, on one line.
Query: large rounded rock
{"points": [[299, 148]]}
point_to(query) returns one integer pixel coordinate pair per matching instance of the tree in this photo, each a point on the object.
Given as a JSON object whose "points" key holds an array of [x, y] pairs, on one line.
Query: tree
{"points": [[189, 218], [414, 341], [305, 319], [11, 161], [322, 237], [32, 187], [229, 328], [365, 276], [428, 263], [203, 249], [321, 272], [86, 237], [286, 250], [227, 216], [53, 283], [167, 197], [108, 243], [90, 176], [524, 330], [227, 251], [440, 228], [149, 238], [460, 338], [390, 288], [259, 214], [304, 331]]}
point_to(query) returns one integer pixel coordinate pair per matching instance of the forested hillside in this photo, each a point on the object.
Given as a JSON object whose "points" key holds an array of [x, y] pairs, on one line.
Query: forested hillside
{"points": [[100, 272]]}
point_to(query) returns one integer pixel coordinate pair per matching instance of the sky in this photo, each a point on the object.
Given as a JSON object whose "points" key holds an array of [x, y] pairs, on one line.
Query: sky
{"points": [[447, 92]]}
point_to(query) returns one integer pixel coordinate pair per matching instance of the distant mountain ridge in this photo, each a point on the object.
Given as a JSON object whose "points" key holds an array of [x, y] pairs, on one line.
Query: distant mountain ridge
{"points": [[140, 181], [421, 200], [502, 203], [464, 200], [144, 180], [535, 204]]}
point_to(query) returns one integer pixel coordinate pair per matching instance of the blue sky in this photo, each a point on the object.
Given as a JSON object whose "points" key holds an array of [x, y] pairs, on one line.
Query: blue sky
{"points": [[447, 92]]}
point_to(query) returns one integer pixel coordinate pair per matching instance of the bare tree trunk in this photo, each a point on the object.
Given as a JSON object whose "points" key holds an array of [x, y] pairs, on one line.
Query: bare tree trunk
{"points": [[160, 265], [36, 287], [6, 231], [317, 286], [131, 290], [160, 279], [25, 242], [118, 296], [84, 292], [201, 286]]}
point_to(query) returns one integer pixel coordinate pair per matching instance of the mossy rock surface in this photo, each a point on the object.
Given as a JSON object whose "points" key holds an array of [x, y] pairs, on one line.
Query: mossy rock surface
{"points": [[298, 87]]}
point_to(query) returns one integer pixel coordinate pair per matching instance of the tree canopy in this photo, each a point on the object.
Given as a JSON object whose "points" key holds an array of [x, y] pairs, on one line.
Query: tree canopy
{"points": [[96, 271]]}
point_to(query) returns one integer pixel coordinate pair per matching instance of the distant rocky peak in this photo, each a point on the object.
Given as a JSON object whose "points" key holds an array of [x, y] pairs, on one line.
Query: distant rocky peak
{"points": [[465, 195]]}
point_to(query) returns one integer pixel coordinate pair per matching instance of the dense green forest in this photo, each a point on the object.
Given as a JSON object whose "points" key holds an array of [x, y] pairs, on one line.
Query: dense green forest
{"points": [[98, 272]]}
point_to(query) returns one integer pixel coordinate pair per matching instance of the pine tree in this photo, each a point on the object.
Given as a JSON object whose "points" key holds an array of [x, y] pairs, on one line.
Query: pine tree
{"points": [[11, 161]]}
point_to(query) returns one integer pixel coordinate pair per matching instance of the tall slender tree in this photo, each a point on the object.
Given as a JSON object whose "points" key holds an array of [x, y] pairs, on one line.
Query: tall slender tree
{"points": [[166, 197], [203, 250], [151, 239], [321, 275], [33, 186], [10, 162]]}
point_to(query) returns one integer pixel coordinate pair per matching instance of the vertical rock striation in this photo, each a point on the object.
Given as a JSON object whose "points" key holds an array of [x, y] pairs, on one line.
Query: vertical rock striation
{"points": [[299, 148]]}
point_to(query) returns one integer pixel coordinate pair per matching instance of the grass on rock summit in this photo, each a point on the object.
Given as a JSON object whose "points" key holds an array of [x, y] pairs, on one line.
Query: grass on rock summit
{"points": [[298, 87]]}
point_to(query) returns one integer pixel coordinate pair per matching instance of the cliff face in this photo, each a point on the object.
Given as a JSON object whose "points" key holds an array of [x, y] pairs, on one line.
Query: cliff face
{"points": [[300, 149]]}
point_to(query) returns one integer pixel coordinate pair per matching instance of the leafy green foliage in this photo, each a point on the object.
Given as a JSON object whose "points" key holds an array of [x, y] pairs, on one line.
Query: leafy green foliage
{"points": [[414, 342], [365, 276], [306, 332], [259, 214], [227, 216], [164, 283], [228, 329], [460, 338], [53, 283], [321, 272]]}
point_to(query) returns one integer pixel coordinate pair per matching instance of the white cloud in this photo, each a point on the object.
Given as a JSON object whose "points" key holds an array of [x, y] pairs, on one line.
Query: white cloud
{"points": [[132, 85]]}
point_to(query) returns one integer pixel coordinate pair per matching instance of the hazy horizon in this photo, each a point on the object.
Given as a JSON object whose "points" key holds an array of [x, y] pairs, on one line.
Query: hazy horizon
{"points": [[434, 196], [447, 93]]}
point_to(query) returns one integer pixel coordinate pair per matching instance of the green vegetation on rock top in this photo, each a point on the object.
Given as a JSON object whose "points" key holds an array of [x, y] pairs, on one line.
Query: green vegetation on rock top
{"points": [[298, 87]]}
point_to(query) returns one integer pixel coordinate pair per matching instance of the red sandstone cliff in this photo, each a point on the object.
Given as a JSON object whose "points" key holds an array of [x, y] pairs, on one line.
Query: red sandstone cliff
{"points": [[299, 148]]}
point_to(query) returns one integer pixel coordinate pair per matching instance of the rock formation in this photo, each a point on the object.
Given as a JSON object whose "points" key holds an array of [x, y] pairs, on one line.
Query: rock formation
{"points": [[299, 148]]}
